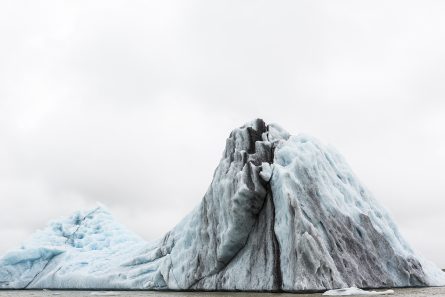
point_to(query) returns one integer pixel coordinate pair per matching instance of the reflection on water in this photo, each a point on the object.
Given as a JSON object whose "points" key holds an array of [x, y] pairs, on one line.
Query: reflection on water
{"points": [[49, 293]]}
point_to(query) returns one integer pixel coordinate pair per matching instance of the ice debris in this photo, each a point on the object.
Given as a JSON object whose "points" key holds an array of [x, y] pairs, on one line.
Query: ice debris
{"points": [[355, 291]]}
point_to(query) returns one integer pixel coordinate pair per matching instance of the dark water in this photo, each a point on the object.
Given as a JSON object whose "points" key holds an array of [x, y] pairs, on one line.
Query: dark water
{"points": [[44, 293]]}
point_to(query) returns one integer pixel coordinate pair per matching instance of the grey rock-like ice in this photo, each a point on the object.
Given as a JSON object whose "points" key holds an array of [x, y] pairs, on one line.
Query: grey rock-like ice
{"points": [[283, 213]]}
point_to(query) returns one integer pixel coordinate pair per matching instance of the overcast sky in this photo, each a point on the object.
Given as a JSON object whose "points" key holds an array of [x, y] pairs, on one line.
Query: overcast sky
{"points": [[129, 103]]}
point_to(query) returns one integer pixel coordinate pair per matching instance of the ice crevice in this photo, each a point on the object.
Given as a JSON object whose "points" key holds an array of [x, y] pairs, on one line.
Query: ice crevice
{"points": [[38, 273], [70, 238], [278, 278]]}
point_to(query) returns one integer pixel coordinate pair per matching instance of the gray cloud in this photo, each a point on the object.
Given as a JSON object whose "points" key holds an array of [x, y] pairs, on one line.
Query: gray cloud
{"points": [[130, 103]]}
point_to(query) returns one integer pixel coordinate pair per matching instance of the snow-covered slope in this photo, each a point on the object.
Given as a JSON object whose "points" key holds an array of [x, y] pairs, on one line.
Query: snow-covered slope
{"points": [[282, 213]]}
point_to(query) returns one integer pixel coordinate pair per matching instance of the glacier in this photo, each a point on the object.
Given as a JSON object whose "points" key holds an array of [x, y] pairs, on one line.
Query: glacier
{"points": [[282, 213]]}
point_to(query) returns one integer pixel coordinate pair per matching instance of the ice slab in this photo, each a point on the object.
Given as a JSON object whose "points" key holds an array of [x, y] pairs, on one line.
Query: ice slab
{"points": [[356, 291]]}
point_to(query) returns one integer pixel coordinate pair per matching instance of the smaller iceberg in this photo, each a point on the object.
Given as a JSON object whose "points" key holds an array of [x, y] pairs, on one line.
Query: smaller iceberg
{"points": [[355, 291], [87, 249]]}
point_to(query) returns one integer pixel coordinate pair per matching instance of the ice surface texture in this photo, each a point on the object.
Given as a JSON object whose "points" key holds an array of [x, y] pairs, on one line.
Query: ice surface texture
{"points": [[283, 213]]}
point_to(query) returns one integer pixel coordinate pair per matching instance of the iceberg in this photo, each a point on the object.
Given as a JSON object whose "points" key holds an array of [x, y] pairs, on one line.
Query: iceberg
{"points": [[355, 291], [282, 213]]}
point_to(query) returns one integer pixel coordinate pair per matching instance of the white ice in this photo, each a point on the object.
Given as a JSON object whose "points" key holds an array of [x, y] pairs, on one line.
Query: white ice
{"points": [[356, 291], [303, 165], [84, 250]]}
